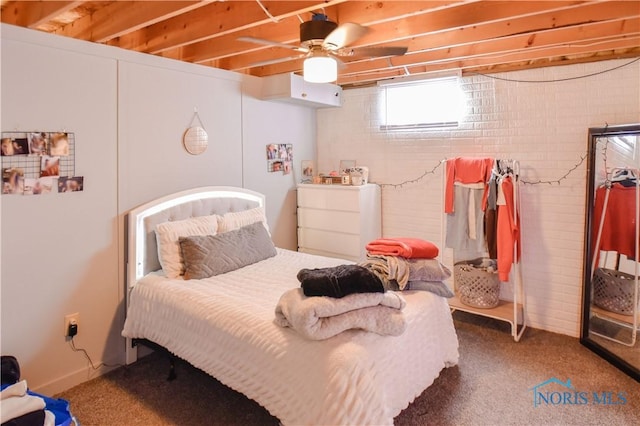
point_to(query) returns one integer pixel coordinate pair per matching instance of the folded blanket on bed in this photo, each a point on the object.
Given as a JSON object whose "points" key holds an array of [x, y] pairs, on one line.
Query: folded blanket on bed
{"points": [[411, 248], [339, 281], [401, 270], [319, 318]]}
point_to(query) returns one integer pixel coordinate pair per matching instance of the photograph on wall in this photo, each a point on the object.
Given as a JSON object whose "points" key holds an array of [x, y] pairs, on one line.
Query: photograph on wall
{"points": [[272, 151], [308, 168], [275, 166], [37, 186], [12, 181], [38, 143], [70, 184], [278, 154], [14, 146], [287, 167], [345, 165], [286, 152], [30, 184], [59, 146], [49, 166]]}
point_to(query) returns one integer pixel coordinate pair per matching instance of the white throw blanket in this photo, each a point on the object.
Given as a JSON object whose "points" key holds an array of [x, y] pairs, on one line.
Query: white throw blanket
{"points": [[321, 317]]}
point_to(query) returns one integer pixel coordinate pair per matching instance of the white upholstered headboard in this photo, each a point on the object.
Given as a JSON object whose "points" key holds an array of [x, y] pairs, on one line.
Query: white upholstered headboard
{"points": [[142, 250]]}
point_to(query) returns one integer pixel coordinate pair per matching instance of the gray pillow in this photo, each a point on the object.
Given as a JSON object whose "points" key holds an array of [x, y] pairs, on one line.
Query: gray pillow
{"points": [[427, 270], [436, 287], [208, 255]]}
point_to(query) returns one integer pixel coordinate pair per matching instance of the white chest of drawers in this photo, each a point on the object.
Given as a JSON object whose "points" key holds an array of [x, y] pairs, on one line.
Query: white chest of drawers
{"points": [[338, 220]]}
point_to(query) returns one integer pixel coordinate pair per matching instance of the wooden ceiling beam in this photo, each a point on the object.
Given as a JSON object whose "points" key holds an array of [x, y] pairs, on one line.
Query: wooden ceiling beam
{"points": [[629, 53], [402, 32], [628, 47], [288, 31], [438, 33], [491, 65], [569, 37], [599, 12], [214, 20], [122, 17], [461, 16], [442, 36], [32, 14]]}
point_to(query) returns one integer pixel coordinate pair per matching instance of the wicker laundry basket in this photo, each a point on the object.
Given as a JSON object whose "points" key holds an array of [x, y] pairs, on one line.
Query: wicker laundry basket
{"points": [[476, 287], [613, 290]]}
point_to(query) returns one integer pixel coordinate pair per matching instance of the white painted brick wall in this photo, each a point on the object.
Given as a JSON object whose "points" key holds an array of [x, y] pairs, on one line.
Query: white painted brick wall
{"points": [[543, 125]]}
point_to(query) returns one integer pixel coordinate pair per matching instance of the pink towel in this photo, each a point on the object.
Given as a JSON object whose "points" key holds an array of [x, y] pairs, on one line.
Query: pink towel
{"points": [[411, 248]]}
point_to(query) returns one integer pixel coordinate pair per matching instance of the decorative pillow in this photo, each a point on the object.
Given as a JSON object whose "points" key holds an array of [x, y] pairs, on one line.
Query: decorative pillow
{"points": [[427, 270], [436, 287], [168, 233], [208, 255], [234, 220]]}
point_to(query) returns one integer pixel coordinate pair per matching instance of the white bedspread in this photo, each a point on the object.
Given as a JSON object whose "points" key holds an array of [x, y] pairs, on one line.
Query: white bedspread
{"points": [[225, 326]]}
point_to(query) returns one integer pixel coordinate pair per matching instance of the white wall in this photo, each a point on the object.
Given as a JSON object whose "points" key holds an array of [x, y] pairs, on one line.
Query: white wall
{"points": [[59, 250], [543, 125], [277, 122], [64, 253]]}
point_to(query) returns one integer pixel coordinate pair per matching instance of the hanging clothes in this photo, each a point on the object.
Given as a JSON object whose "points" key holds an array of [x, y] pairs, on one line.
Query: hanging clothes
{"points": [[466, 170], [508, 225], [465, 202], [491, 215], [619, 227], [465, 226]]}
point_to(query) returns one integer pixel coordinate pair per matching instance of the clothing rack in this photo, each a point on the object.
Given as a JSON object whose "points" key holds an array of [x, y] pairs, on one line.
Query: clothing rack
{"points": [[513, 312], [619, 174]]}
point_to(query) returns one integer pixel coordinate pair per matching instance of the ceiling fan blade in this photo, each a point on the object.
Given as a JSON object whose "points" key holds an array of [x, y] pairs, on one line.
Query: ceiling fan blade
{"points": [[375, 51], [273, 43], [344, 35]]}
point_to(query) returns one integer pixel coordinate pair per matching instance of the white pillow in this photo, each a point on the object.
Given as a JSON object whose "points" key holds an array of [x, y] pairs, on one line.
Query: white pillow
{"points": [[168, 234], [236, 220]]}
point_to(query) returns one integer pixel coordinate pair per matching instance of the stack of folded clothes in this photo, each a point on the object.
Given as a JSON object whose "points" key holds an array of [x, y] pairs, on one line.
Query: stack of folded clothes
{"points": [[340, 298], [19, 406], [406, 263]]}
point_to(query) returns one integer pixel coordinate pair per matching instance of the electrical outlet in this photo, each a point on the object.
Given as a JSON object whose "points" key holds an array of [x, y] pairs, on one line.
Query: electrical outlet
{"points": [[71, 319]]}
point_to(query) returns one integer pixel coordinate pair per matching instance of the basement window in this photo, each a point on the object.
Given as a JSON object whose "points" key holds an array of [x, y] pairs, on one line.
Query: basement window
{"points": [[428, 104]]}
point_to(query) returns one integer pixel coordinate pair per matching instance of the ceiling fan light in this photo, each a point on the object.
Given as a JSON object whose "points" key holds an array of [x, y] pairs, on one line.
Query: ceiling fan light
{"points": [[320, 69]]}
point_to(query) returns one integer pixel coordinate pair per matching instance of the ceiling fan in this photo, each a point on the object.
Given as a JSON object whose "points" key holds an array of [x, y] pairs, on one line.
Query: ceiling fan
{"points": [[322, 42]]}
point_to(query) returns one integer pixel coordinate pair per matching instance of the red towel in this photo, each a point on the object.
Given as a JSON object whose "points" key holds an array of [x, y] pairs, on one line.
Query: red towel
{"points": [[411, 248]]}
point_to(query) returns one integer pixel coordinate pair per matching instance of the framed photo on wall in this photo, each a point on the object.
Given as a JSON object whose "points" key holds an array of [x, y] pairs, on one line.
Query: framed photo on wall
{"points": [[346, 164], [308, 168]]}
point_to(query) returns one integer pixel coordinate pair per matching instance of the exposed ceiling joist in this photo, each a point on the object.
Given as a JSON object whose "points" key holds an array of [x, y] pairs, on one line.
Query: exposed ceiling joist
{"points": [[470, 36]]}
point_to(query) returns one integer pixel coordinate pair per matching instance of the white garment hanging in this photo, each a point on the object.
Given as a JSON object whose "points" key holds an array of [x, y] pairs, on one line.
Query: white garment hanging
{"points": [[471, 208]]}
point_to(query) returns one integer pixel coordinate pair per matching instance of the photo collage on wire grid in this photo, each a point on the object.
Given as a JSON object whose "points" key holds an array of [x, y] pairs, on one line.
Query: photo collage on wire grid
{"points": [[279, 157], [35, 163]]}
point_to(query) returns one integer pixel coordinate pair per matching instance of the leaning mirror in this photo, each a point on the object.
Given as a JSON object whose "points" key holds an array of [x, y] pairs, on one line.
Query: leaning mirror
{"points": [[611, 304]]}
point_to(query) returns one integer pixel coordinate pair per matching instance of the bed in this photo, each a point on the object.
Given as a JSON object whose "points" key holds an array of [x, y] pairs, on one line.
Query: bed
{"points": [[225, 325]]}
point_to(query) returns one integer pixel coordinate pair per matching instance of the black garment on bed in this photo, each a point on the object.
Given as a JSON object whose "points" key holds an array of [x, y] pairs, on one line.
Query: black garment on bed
{"points": [[339, 281]]}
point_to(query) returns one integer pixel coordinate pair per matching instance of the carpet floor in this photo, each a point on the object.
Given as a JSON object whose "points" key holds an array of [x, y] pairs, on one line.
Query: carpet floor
{"points": [[497, 382]]}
